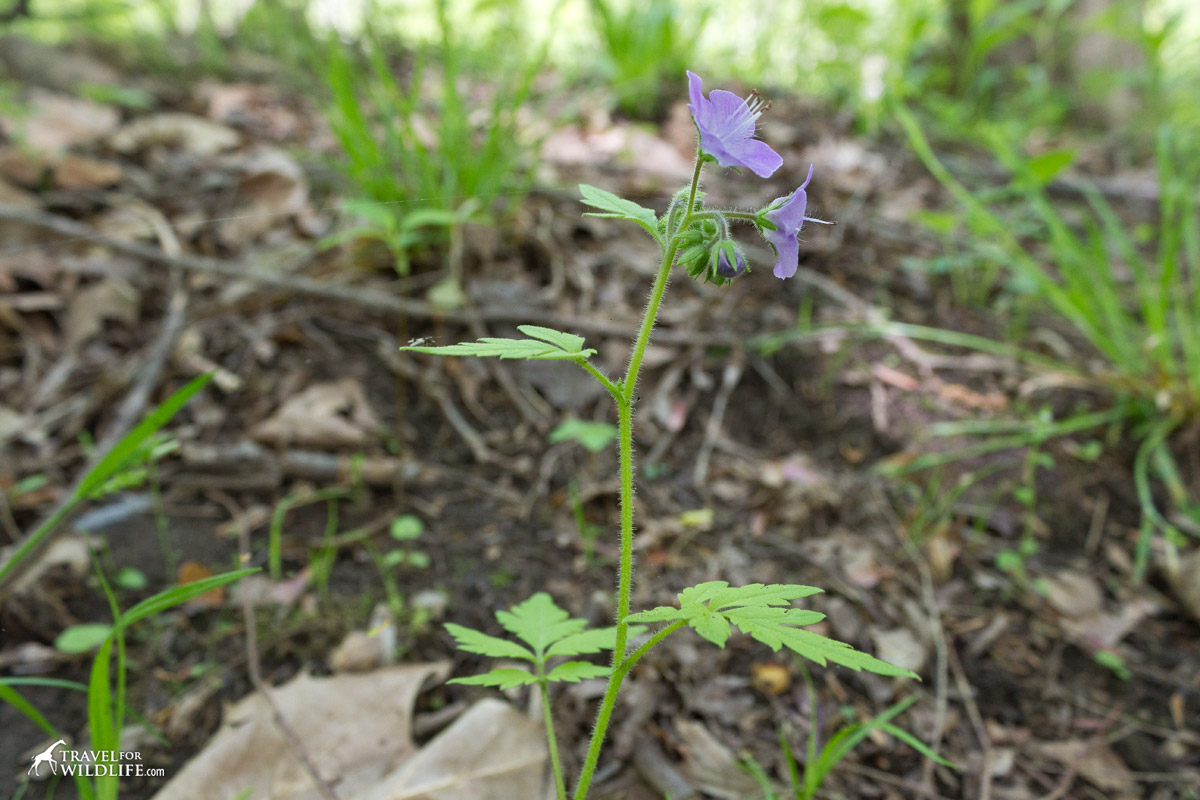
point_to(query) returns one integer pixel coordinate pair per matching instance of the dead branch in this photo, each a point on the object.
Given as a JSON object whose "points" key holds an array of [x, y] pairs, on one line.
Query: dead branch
{"points": [[371, 299]]}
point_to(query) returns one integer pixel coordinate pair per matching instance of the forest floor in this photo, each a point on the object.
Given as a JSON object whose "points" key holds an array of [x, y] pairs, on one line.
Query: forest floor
{"points": [[759, 457]]}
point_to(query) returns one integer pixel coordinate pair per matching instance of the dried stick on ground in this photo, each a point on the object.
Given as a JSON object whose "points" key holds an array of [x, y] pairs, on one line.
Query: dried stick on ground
{"points": [[254, 669], [937, 630], [364, 298], [729, 381]]}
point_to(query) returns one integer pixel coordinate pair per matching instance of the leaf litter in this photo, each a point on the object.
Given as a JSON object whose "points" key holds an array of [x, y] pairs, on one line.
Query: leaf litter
{"points": [[314, 391]]}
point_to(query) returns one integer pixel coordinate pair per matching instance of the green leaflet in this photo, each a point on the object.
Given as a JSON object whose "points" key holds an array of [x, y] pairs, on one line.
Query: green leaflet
{"points": [[619, 208], [549, 632], [543, 344], [764, 611]]}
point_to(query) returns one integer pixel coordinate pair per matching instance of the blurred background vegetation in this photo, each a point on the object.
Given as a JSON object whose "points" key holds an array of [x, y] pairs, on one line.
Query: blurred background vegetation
{"points": [[431, 103]]}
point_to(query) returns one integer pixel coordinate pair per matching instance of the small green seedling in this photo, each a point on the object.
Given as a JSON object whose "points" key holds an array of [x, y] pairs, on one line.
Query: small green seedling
{"points": [[404, 529], [549, 633], [132, 579], [595, 437]]}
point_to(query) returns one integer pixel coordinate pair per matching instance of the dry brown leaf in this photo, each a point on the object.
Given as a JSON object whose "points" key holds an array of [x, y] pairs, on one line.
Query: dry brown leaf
{"points": [[272, 186], [325, 415], [76, 173], [12, 425], [362, 651], [1184, 578], [55, 66], [246, 105], [942, 550], [711, 766], [17, 235], [71, 552], [55, 121], [194, 135], [90, 306], [192, 571], [901, 647], [1096, 762], [850, 166], [960, 395], [860, 562], [1079, 599], [492, 752], [353, 727], [22, 168], [624, 144], [1074, 594], [894, 377]]}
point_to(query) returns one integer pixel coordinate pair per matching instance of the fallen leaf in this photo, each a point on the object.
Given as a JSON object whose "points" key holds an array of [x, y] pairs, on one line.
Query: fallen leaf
{"points": [[55, 121], [1184, 578], [71, 551], [192, 571], [55, 66], [1096, 762], [900, 647], [353, 727], [362, 651], [325, 415], [245, 105], [711, 766], [12, 424], [492, 752], [860, 562], [272, 186], [1073, 593], [90, 306], [196, 136], [22, 167], [76, 173], [622, 144], [960, 395]]}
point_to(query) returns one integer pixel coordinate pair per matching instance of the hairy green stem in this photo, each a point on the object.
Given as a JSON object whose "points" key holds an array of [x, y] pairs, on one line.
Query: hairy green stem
{"points": [[625, 402], [560, 786], [636, 655]]}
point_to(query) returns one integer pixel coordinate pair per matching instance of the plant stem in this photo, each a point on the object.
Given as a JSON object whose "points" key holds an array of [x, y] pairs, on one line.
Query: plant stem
{"points": [[560, 787], [625, 402]]}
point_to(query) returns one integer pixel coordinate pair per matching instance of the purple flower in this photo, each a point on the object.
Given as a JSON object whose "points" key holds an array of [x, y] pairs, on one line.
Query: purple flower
{"points": [[730, 261], [726, 125], [784, 217]]}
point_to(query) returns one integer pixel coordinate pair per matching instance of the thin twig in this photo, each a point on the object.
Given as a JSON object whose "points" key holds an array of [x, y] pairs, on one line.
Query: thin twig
{"points": [[287, 280], [254, 670], [937, 631], [730, 377], [985, 741]]}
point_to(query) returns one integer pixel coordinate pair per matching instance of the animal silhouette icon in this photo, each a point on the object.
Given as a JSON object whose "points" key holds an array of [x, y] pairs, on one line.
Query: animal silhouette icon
{"points": [[45, 757]]}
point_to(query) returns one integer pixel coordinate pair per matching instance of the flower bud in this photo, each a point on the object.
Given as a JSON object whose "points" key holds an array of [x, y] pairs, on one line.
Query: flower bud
{"points": [[727, 261]]}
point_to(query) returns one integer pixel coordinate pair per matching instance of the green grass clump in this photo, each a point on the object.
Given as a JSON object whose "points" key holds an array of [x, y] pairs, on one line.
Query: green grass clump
{"points": [[422, 157], [121, 467], [647, 47], [1134, 300]]}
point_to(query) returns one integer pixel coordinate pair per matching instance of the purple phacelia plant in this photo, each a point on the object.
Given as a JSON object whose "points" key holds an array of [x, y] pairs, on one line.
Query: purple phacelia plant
{"points": [[697, 239]]}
